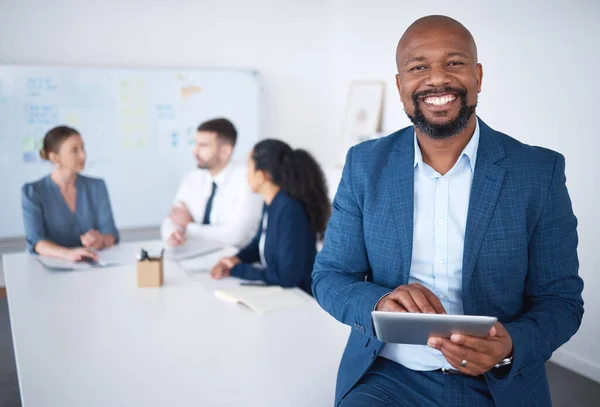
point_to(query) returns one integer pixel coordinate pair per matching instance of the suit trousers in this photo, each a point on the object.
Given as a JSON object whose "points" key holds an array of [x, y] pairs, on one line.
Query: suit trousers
{"points": [[389, 384]]}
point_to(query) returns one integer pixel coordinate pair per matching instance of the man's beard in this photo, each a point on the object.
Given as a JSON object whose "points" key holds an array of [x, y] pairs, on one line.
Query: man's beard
{"points": [[445, 130], [205, 165]]}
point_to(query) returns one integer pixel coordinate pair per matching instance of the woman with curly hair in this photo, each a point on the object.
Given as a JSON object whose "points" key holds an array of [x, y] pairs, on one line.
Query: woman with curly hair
{"points": [[295, 215]]}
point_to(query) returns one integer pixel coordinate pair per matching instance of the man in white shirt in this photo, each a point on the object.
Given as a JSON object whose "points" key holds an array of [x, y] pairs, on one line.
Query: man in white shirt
{"points": [[214, 202]]}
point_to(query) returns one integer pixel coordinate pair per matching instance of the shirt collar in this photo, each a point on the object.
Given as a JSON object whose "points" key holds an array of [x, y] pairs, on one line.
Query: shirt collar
{"points": [[470, 150], [221, 177]]}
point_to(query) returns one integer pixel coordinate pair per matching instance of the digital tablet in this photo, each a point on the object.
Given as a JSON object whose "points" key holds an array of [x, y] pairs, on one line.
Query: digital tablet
{"points": [[415, 329]]}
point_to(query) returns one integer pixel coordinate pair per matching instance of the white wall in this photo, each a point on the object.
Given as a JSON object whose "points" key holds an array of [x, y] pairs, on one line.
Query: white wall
{"points": [[540, 62]]}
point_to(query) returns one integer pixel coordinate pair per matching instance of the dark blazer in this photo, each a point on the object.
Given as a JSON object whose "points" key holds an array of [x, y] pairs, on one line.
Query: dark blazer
{"points": [[290, 247], [520, 253]]}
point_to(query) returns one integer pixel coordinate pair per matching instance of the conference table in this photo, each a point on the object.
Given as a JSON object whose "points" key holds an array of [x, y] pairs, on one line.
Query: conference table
{"points": [[93, 338]]}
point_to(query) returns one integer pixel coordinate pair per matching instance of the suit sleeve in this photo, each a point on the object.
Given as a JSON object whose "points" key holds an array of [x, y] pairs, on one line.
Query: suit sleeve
{"points": [[292, 252], [33, 217], [554, 306], [250, 253], [341, 266]]}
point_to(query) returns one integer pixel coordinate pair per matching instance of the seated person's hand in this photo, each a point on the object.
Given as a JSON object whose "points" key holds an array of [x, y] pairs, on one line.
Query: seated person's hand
{"points": [[472, 355], [411, 298], [220, 271], [92, 239], [230, 262], [181, 215], [223, 267], [177, 238], [80, 253]]}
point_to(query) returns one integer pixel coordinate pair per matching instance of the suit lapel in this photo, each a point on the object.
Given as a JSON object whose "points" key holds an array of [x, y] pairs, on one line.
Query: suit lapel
{"points": [[400, 169], [487, 181]]}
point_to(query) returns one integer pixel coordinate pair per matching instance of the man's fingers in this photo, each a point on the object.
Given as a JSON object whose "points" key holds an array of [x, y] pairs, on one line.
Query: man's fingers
{"points": [[404, 298], [434, 301], [455, 354], [470, 342], [390, 305], [179, 237], [419, 298]]}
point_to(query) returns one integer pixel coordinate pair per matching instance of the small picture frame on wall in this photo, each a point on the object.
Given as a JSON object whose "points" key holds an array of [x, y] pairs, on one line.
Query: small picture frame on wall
{"points": [[362, 118]]}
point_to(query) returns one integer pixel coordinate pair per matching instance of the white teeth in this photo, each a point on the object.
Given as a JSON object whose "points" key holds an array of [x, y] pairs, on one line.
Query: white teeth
{"points": [[438, 101]]}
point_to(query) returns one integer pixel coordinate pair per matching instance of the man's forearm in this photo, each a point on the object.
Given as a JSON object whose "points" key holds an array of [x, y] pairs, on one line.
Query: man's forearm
{"points": [[348, 298]]}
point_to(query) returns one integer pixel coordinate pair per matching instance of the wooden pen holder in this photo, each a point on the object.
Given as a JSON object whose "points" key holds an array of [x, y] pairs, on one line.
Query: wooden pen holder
{"points": [[150, 272]]}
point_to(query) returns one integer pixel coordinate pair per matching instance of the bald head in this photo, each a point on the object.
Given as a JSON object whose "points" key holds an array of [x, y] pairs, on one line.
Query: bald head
{"points": [[422, 29]]}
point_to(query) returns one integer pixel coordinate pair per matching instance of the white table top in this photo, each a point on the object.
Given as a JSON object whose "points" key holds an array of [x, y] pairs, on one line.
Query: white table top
{"points": [[93, 338]]}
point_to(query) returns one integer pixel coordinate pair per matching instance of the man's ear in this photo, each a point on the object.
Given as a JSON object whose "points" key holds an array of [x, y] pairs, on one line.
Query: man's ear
{"points": [[225, 151]]}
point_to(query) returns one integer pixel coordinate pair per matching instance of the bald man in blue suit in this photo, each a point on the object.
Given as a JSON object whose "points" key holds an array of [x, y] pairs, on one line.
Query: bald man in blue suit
{"points": [[451, 216]]}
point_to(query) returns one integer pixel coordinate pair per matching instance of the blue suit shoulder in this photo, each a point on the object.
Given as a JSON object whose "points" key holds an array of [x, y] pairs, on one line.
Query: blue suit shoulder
{"points": [[531, 168], [286, 203], [517, 151], [366, 163], [369, 153]]}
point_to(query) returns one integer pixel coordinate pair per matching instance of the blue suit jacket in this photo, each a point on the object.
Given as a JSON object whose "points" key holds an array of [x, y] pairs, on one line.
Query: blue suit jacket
{"points": [[290, 247], [520, 253]]}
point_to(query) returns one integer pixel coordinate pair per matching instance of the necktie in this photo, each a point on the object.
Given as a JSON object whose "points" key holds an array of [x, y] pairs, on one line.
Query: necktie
{"points": [[206, 220]]}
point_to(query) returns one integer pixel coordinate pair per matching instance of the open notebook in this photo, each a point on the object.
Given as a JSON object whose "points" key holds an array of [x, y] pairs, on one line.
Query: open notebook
{"points": [[262, 299]]}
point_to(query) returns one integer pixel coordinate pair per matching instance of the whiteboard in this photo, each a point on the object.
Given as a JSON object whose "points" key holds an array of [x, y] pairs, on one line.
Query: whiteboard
{"points": [[138, 126]]}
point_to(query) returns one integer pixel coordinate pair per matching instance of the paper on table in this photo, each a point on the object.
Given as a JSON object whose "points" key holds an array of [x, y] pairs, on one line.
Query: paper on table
{"points": [[113, 256], [117, 255], [191, 249], [61, 264], [262, 299], [203, 264]]}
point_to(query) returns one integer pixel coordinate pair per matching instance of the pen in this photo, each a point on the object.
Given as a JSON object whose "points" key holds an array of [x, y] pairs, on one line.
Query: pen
{"points": [[143, 255], [252, 284]]}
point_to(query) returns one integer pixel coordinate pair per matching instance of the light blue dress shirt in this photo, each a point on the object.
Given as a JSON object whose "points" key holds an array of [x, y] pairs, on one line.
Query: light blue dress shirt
{"points": [[47, 216], [440, 217]]}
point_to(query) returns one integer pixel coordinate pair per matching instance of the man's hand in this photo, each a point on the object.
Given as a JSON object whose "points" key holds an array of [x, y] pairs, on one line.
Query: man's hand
{"points": [[481, 354], [411, 298], [181, 215], [177, 238], [92, 239]]}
